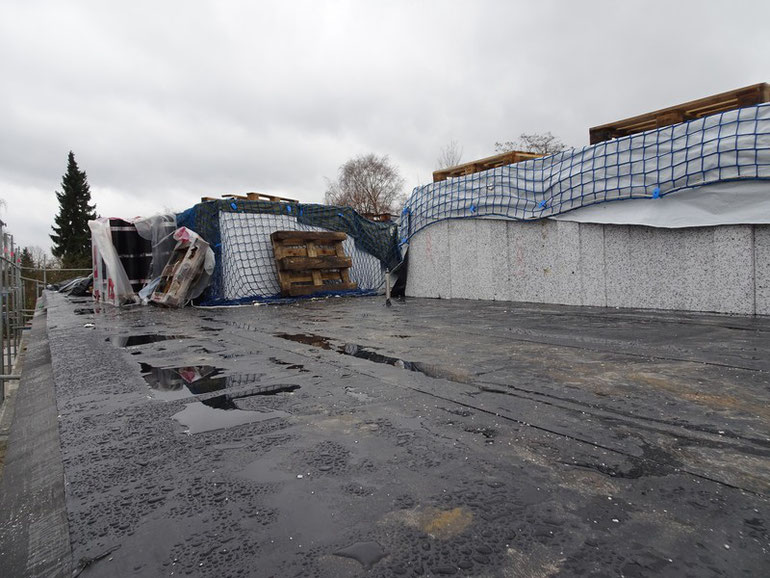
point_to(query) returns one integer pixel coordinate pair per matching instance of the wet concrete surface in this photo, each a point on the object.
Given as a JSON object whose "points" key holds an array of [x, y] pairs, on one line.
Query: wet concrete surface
{"points": [[432, 438]]}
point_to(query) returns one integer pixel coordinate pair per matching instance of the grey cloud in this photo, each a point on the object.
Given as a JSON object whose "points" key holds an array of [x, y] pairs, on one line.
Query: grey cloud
{"points": [[165, 102]]}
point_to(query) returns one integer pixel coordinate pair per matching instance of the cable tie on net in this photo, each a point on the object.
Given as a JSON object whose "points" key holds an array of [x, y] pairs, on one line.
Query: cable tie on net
{"points": [[473, 208], [656, 193], [542, 204], [288, 208], [405, 211], [234, 206]]}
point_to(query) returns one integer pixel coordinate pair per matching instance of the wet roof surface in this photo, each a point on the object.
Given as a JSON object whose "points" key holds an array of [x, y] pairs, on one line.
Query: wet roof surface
{"points": [[344, 438]]}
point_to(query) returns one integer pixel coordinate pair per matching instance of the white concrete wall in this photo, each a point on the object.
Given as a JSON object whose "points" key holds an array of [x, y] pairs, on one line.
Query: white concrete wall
{"points": [[724, 269]]}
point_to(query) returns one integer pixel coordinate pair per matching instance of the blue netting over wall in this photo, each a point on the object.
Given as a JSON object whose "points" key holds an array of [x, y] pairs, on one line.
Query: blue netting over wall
{"points": [[239, 233], [733, 145]]}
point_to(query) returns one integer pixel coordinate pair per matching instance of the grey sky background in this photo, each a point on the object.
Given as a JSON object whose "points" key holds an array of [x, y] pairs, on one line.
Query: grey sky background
{"points": [[164, 102]]}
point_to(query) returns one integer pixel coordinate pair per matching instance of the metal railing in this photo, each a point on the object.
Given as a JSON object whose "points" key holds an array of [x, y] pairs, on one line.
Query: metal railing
{"points": [[35, 279], [20, 288], [11, 304]]}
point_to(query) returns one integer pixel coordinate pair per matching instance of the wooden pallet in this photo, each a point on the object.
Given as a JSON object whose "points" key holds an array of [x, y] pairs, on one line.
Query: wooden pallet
{"points": [[182, 271], [378, 217], [507, 158], [311, 262], [253, 197], [739, 98]]}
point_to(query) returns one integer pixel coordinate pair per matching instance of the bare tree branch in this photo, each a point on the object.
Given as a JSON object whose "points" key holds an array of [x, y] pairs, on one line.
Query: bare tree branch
{"points": [[542, 143], [368, 184], [450, 156]]}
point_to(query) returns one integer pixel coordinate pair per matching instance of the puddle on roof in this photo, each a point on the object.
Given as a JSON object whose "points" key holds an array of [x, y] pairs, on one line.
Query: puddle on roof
{"points": [[365, 553], [307, 339], [142, 339], [215, 413], [354, 350], [178, 382]]}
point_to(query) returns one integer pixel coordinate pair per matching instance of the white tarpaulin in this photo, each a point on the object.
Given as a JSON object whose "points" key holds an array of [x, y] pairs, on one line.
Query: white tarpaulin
{"points": [[731, 203]]}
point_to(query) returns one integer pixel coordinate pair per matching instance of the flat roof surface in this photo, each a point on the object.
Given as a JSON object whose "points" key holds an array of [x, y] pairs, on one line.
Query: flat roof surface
{"points": [[469, 438]]}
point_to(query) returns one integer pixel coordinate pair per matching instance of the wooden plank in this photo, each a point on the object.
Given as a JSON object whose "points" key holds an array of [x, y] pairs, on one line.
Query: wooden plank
{"points": [[306, 277], [724, 101], [302, 290], [319, 262], [271, 198], [301, 236], [344, 273], [311, 253], [499, 160], [282, 252]]}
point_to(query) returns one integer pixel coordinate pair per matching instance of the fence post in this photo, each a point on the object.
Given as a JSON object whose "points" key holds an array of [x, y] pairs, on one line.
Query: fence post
{"points": [[3, 300]]}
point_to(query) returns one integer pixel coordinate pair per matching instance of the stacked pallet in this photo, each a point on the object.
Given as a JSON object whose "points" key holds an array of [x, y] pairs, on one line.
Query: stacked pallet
{"points": [[724, 101], [253, 197], [506, 158], [311, 262]]}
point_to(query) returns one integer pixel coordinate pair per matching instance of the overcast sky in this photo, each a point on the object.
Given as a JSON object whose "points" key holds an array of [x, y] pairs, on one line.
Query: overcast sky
{"points": [[164, 102]]}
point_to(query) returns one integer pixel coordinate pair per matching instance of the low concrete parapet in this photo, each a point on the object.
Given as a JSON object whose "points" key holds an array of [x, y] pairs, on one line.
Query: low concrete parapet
{"points": [[724, 269]]}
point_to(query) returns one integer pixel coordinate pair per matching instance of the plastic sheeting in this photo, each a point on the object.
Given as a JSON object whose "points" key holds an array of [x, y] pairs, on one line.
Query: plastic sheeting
{"points": [[159, 230], [111, 283], [732, 203], [732, 146]]}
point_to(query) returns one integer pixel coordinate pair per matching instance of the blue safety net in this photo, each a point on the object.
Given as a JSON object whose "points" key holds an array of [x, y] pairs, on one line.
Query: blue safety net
{"points": [[728, 146], [239, 233]]}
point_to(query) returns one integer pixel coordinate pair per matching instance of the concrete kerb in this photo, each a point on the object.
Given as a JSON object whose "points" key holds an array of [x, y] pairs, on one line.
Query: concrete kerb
{"points": [[8, 405], [34, 530]]}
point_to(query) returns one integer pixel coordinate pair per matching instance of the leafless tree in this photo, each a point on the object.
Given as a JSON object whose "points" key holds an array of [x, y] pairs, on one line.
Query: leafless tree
{"points": [[40, 256], [368, 184], [543, 143], [450, 156]]}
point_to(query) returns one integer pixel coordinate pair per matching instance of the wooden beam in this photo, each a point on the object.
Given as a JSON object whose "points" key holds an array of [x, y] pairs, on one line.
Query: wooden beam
{"points": [[301, 290], [724, 101], [318, 262], [502, 159], [308, 236]]}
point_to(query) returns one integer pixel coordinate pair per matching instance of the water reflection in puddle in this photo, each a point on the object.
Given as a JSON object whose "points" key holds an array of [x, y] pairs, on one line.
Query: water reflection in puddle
{"points": [[202, 416], [144, 339], [178, 382]]}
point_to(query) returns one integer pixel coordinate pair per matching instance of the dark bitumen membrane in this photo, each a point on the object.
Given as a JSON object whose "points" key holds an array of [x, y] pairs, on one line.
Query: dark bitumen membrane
{"points": [[360, 352], [342, 438]]}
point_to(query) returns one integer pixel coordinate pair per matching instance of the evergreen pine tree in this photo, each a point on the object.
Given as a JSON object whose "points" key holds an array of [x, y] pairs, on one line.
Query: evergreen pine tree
{"points": [[27, 261], [72, 238]]}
